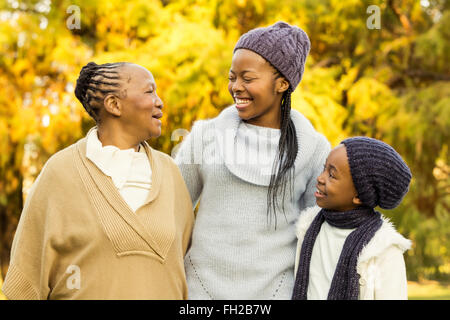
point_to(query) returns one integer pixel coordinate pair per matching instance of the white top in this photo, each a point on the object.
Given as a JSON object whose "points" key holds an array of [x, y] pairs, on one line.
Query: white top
{"points": [[325, 256], [129, 170]]}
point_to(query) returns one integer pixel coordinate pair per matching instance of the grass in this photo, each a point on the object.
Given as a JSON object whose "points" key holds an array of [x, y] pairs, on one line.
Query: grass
{"points": [[425, 290], [428, 290], [2, 296]]}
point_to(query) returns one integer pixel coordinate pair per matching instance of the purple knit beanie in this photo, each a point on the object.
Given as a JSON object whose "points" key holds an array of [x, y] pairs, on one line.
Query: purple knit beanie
{"points": [[284, 46], [379, 174]]}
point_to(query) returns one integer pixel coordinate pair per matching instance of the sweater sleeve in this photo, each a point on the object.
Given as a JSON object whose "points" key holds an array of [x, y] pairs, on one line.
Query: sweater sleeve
{"points": [[317, 162], [189, 159], [27, 276], [391, 281]]}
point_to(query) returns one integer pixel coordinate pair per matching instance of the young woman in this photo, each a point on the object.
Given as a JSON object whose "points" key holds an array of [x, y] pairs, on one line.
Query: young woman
{"points": [[254, 167], [347, 250], [108, 217]]}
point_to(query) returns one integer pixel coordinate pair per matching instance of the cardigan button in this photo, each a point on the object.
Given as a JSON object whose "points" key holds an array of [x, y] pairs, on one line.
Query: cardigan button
{"points": [[362, 282]]}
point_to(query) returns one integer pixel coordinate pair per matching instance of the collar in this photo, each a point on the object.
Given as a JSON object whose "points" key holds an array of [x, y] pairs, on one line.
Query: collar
{"points": [[225, 128], [112, 161], [159, 233]]}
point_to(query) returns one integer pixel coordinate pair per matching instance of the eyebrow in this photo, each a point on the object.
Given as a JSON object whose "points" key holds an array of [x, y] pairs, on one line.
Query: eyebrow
{"points": [[150, 85], [243, 72], [333, 167]]}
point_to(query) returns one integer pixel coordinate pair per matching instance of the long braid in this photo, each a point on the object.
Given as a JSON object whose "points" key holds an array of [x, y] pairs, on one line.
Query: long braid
{"points": [[282, 171], [94, 83]]}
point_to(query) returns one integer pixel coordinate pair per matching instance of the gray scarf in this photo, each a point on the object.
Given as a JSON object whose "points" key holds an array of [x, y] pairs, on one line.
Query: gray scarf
{"points": [[345, 283]]}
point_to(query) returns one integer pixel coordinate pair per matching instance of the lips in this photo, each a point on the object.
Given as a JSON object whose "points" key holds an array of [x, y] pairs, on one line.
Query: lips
{"points": [[242, 100], [319, 193], [158, 115], [242, 103]]}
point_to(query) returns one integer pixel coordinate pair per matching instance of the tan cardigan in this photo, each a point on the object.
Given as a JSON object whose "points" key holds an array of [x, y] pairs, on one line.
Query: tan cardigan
{"points": [[78, 239]]}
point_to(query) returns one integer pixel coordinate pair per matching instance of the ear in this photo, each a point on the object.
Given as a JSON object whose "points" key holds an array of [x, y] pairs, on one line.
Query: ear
{"points": [[356, 200], [282, 85], [112, 105]]}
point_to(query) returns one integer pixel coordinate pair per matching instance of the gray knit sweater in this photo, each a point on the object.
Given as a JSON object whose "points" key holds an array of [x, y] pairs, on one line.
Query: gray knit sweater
{"points": [[235, 253]]}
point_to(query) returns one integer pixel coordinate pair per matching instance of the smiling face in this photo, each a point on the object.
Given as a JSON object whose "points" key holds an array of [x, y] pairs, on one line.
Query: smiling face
{"points": [[138, 106], [255, 88], [335, 188]]}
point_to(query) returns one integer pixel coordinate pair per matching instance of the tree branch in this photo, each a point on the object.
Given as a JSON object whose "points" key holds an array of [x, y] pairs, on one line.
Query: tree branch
{"points": [[401, 16]]}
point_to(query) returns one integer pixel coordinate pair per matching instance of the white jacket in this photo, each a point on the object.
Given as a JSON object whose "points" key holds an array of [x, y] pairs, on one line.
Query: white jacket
{"points": [[380, 264]]}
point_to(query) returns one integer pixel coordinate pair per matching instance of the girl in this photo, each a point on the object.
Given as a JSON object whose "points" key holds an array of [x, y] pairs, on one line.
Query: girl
{"points": [[348, 250], [108, 217], [254, 168]]}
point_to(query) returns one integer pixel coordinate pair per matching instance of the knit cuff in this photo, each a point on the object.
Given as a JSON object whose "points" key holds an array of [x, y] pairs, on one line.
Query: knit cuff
{"points": [[17, 287]]}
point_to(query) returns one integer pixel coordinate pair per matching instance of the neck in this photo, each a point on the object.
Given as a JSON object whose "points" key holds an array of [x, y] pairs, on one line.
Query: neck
{"points": [[111, 135], [270, 118]]}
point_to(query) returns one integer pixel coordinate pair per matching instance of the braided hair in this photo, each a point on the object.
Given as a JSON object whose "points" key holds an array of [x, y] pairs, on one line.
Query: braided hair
{"points": [[94, 83], [283, 167]]}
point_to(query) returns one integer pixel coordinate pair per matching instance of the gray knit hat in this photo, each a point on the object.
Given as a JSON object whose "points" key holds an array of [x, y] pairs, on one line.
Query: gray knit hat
{"points": [[379, 174], [284, 46]]}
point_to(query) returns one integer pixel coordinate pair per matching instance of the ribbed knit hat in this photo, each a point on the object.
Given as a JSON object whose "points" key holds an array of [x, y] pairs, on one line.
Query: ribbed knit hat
{"points": [[284, 46], [379, 174]]}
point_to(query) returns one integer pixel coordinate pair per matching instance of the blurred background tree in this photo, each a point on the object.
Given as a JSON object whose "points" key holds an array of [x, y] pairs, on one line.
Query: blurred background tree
{"points": [[390, 83]]}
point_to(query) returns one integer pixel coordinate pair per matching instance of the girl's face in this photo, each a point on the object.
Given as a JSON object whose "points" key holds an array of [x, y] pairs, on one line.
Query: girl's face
{"points": [[140, 105], [255, 89], [335, 188]]}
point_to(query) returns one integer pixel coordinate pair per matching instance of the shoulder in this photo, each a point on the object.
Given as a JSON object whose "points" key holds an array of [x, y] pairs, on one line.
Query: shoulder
{"points": [[62, 156], [203, 131], [299, 119], [313, 146], [57, 171], [227, 115], [304, 127], [60, 162], [162, 159], [227, 118], [385, 239], [166, 163], [304, 220]]}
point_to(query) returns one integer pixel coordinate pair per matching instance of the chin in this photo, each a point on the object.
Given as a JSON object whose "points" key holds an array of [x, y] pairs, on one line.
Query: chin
{"points": [[154, 134], [245, 115], [150, 135]]}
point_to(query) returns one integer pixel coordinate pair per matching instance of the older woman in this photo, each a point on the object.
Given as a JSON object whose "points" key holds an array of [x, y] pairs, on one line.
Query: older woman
{"points": [[108, 217]]}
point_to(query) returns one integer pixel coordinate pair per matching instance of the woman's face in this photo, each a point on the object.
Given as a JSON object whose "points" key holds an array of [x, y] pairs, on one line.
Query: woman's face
{"points": [[255, 89], [141, 106]]}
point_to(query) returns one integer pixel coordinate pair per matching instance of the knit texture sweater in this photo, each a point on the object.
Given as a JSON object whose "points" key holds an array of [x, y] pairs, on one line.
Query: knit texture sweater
{"points": [[235, 253], [78, 239]]}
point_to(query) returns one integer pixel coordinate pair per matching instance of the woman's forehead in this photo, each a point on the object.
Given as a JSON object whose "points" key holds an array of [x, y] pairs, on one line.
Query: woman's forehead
{"points": [[247, 60], [137, 76]]}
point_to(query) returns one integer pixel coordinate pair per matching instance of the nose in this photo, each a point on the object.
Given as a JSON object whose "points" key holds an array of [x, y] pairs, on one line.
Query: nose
{"points": [[320, 178], [237, 86], [158, 103]]}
